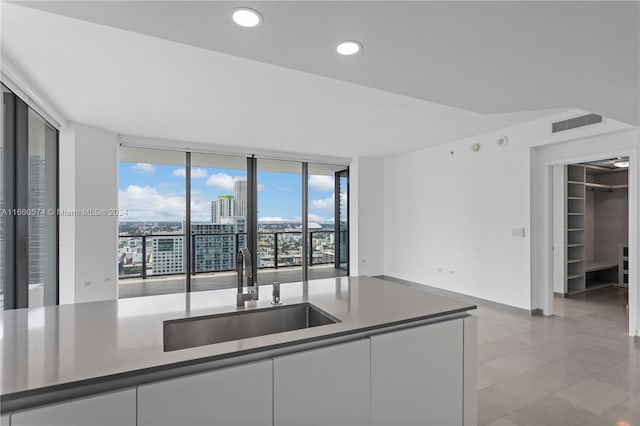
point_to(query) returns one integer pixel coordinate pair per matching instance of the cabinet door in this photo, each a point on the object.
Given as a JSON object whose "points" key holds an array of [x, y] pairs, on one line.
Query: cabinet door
{"points": [[232, 396], [416, 376], [4, 420], [323, 387], [111, 409]]}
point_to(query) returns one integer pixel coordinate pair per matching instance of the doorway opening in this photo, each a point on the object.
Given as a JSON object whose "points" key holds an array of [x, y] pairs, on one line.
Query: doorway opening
{"points": [[591, 220]]}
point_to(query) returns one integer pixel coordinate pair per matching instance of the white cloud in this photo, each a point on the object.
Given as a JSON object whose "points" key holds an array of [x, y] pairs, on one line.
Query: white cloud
{"points": [[272, 219], [196, 173], [148, 203], [200, 206], [221, 180], [323, 204], [283, 188], [316, 218], [143, 168], [262, 187], [321, 183]]}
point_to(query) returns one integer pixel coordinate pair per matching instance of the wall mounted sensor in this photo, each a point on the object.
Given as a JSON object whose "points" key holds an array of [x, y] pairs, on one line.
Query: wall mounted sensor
{"points": [[475, 147], [502, 141]]}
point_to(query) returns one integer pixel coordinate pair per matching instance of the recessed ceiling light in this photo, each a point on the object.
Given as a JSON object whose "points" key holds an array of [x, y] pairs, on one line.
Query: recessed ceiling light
{"points": [[349, 48], [246, 17], [621, 163]]}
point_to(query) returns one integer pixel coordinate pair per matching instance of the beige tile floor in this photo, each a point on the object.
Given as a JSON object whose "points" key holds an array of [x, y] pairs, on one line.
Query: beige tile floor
{"points": [[578, 367]]}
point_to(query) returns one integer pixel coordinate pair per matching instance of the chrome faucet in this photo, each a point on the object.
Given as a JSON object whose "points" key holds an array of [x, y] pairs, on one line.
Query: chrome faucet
{"points": [[243, 262]]}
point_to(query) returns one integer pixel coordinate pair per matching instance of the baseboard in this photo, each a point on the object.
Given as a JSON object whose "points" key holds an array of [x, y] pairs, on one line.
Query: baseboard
{"points": [[463, 297]]}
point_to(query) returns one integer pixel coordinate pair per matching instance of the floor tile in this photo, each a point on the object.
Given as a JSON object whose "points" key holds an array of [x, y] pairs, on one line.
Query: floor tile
{"points": [[502, 421], [516, 364], [569, 370], [633, 403], [487, 376], [620, 416], [624, 375], [593, 396], [552, 411], [529, 388], [493, 404]]}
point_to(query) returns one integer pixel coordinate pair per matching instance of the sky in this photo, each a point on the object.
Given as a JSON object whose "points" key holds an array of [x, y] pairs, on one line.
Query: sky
{"points": [[156, 192]]}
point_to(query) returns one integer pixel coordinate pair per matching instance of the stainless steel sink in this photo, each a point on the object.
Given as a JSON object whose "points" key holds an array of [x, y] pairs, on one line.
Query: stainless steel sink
{"points": [[206, 330]]}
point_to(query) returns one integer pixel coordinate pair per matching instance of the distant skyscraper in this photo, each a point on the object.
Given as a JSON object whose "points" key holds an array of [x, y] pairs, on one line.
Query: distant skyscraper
{"points": [[240, 188], [216, 244], [37, 230], [224, 206], [167, 255], [214, 212]]}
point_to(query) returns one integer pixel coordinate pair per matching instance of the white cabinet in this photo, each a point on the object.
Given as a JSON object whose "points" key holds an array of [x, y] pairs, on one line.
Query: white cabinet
{"points": [[323, 387], [111, 409], [417, 376], [4, 420], [232, 396]]}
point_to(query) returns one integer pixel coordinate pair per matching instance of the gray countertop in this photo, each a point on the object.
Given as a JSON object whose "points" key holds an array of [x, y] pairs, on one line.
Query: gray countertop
{"points": [[48, 347]]}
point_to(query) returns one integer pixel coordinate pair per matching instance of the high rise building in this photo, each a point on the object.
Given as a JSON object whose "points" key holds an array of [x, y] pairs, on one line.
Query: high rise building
{"points": [[240, 189], [215, 245], [214, 212], [224, 206], [167, 255], [37, 229]]}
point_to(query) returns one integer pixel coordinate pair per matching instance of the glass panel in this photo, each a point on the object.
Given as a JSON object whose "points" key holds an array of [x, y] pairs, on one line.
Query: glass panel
{"points": [[323, 234], [218, 219], [279, 221], [2, 199], [151, 188], [42, 219], [344, 221]]}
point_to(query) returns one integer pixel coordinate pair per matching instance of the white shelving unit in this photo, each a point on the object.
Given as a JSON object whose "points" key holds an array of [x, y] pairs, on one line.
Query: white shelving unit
{"points": [[575, 210], [583, 272]]}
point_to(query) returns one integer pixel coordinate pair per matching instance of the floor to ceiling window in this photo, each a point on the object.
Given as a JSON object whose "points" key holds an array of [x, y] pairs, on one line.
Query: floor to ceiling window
{"points": [[218, 219], [151, 237], [280, 254], [328, 221], [28, 207], [190, 213]]}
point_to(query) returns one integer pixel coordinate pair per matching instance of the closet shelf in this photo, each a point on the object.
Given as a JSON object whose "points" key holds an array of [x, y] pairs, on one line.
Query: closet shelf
{"points": [[575, 182], [575, 198], [575, 260], [574, 276], [599, 266], [603, 186], [575, 245], [575, 229], [575, 214]]}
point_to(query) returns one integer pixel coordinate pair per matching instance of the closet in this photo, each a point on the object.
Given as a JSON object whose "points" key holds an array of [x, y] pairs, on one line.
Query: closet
{"points": [[597, 225]]}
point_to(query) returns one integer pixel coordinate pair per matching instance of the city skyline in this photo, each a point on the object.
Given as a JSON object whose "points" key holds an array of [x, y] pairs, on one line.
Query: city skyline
{"points": [[156, 192]]}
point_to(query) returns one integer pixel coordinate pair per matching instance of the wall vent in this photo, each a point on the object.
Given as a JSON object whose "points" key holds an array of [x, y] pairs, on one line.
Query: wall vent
{"points": [[573, 123]]}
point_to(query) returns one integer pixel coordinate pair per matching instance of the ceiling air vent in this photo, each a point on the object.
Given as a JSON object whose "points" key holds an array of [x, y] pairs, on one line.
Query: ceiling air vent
{"points": [[572, 123]]}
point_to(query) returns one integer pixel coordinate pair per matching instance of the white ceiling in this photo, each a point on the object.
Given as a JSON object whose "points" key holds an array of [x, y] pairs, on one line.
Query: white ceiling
{"points": [[183, 71]]}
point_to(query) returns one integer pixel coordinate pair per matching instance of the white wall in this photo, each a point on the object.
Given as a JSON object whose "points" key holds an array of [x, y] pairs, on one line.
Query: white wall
{"points": [[366, 216], [88, 180], [449, 212]]}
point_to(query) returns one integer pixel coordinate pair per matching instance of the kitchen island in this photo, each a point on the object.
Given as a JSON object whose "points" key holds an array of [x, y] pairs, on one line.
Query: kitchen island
{"points": [[394, 355]]}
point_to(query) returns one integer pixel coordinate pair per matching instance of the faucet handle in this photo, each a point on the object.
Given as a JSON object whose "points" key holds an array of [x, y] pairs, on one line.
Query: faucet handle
{"points": [[275, 294]]}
